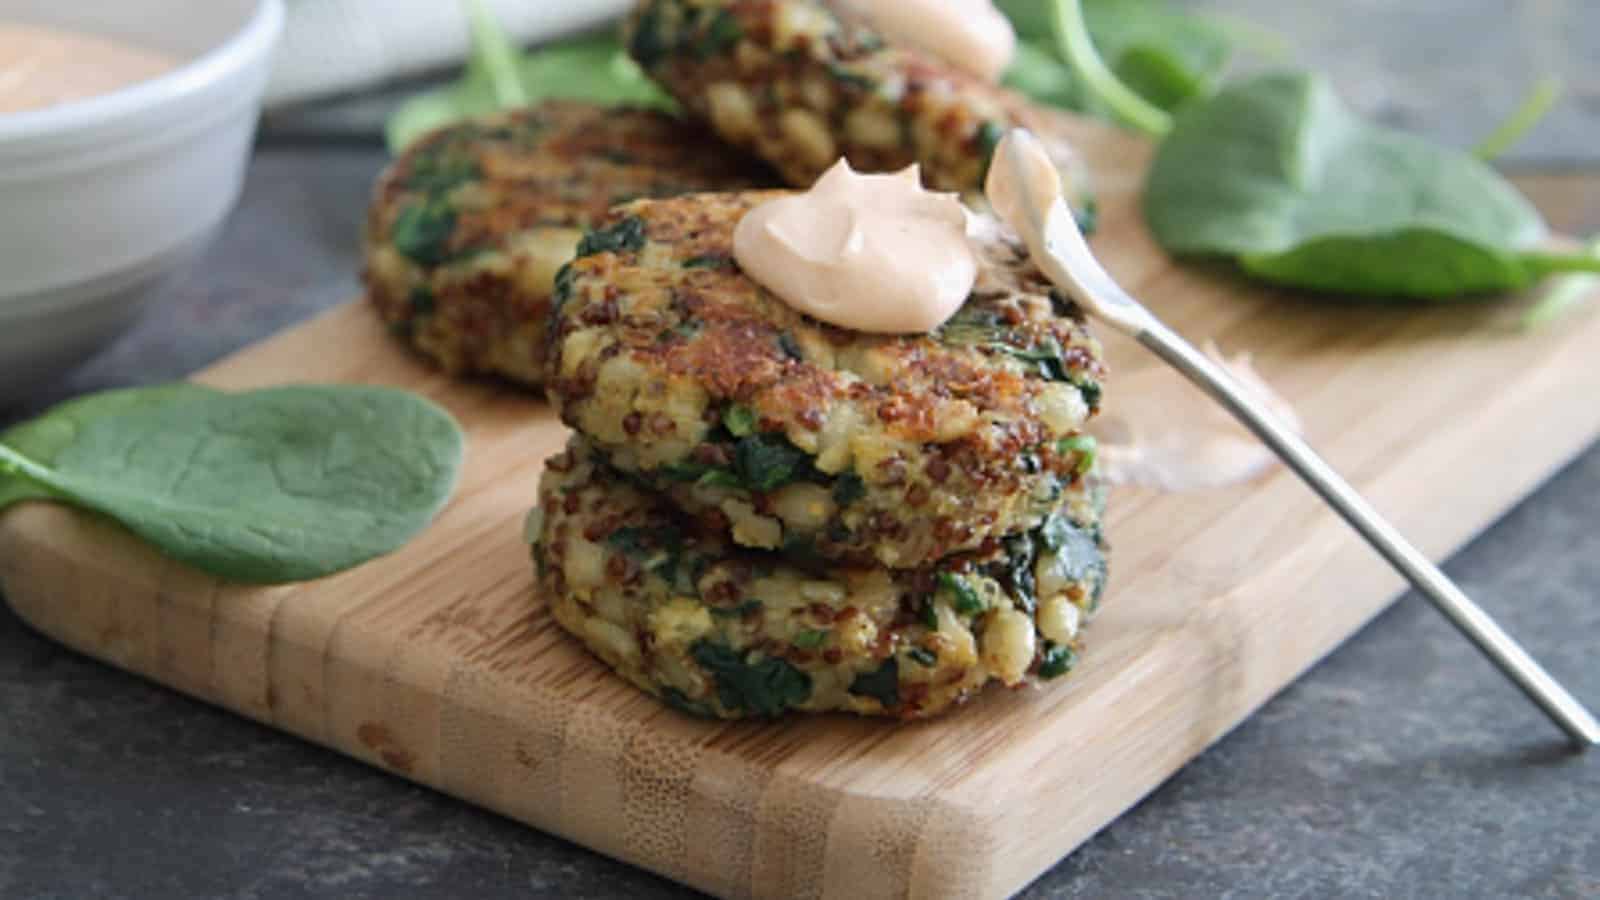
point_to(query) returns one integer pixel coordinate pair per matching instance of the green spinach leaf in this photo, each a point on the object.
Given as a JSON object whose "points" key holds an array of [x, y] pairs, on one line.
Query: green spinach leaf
{"points": [[1056, 661], [766, 462], [1085, 446], [593, 68], [43, 439], [625, 236], [1276, 173], [848, 487], [1165, 56], [422, 232], [1015, 571], [1075, 553], [748, 607], [269, 486], [766, 687], [740, 420], [811, 638], [881, 684], [680, 701], [964, 597]]}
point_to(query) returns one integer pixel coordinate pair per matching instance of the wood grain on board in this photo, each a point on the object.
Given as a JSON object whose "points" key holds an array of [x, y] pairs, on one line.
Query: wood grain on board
{"points": [[440, 663]]}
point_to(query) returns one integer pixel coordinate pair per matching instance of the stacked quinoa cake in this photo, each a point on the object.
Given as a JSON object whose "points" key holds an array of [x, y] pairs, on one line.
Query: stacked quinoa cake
{"points": [[762, 512], [800, 86]]}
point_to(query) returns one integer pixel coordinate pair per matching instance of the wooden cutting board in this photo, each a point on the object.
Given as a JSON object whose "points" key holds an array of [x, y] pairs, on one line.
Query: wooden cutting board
{"points": [[441, 664]]}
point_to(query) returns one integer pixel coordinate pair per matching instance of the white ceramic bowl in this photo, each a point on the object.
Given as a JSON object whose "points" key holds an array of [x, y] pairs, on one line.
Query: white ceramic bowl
{"points": [[101, 198]]}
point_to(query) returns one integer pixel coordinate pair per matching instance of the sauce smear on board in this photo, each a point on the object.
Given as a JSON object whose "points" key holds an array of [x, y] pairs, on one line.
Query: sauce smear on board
{"points": [[42, 66]]}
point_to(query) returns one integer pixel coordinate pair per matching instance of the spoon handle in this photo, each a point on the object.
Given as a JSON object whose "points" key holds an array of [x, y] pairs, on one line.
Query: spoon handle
{"points": [[1024, 187], [1430, 582]]}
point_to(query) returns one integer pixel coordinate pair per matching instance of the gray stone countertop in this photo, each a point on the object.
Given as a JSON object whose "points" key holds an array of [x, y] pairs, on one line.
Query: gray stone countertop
{"points": [[1401, 766]]}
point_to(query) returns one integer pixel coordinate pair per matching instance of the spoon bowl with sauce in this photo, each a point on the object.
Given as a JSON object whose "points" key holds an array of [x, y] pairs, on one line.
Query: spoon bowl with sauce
{"points": [[124, 133]]}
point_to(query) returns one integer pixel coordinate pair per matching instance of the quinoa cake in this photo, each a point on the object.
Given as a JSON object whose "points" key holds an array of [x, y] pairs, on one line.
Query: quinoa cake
{"points": [[469, 225], [722, 631], [791, 434], [798, 85]]}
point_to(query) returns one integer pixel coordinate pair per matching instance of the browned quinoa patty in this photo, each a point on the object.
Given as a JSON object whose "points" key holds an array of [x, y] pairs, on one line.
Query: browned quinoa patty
{"points": [[721, 631], [789, 433], [799, 86], [469, 225]]}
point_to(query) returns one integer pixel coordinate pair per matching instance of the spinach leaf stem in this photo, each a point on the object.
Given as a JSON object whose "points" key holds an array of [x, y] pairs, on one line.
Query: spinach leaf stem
{"points": [[1072, 36], [498, 56], [15, 464], [1549, 263], [1564, 295], [1531, 111]]}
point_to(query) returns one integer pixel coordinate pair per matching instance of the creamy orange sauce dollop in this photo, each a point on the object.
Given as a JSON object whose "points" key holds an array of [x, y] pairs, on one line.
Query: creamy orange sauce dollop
{"points": [[969, 34], [874, 253], [42, 66]]}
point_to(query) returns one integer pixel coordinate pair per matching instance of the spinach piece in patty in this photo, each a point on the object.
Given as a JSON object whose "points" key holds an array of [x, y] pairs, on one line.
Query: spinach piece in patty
{"points": [[964, 598], [709, 261], [651, 43], [1077, 548], [736, 612], [1085, 446], [657, 550], [761, 463], [1056, 661], [881, 684], [1050, 361], [680, 701], [1045, 358], [848, 487], [422, 232], [740, 420], [1079, 554], [719, 32], [766, 687], [703, 31], [1015, 572], [811, 638], [440, 169], [766, 462], [856, 80], [624, 236]]}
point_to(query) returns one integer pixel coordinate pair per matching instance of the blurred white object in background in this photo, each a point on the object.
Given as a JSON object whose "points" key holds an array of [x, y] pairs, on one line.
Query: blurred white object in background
{"points": [[336, 46], [102, 198]]}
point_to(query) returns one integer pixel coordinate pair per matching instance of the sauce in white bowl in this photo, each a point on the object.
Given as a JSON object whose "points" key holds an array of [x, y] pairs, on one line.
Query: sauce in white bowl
{"points": [[112, 182], [41, 66]]}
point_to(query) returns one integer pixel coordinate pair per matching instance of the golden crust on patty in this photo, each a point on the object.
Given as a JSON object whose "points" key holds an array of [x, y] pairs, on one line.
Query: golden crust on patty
{"points": [[792, 434], [469, 225], [799, 86], [721, 631]]}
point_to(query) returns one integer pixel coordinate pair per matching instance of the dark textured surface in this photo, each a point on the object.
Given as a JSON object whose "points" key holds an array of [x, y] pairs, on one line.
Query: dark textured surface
{"points": [[1400, 767]]}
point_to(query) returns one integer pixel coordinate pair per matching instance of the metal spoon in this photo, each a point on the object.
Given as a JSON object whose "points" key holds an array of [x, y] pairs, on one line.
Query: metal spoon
{"points": [[1025, 189]]}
